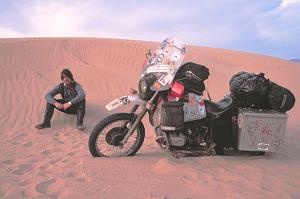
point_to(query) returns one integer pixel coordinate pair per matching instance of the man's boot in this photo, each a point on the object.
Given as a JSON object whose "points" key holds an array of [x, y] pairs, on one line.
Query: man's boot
{"points": [[47, 117], [80, 115]]}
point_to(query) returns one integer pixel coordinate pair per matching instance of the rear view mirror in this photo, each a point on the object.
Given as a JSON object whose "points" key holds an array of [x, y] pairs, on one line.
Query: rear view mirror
{"points": [[149, 56], [189, 74]]}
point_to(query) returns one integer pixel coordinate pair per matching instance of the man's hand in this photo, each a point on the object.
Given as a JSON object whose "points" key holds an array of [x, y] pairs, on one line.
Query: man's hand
{"points": [[67, 105], [58, 105]]}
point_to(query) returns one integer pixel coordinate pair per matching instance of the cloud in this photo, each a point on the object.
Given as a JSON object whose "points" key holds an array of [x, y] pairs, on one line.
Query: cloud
{"points": [[242, 25], [130, 20], [280, 24], [205, 22], [92, 18], [286, 3], [57, 18], [9, 33]]}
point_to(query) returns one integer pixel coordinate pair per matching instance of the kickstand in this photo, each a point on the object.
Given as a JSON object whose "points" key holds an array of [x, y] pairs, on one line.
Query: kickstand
{"points": [[177, 155]]}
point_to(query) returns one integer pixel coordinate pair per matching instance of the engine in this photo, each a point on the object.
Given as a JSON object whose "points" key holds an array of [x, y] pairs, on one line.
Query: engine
{"points": [[194, 135]]}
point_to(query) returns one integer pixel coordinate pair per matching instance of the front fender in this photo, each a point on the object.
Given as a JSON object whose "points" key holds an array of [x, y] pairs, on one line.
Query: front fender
{"points": [[124, 100]]}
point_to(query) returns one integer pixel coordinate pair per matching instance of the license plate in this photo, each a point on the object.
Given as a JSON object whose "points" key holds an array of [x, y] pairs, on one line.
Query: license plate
{"points": [[263, 146], [159, 68], [117, 103]]}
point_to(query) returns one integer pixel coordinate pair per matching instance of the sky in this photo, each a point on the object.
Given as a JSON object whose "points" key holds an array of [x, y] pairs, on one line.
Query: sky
{"points": [[270, 27]]}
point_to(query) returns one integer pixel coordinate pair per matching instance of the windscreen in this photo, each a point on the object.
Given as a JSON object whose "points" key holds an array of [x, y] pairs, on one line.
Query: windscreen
{"points": [[165, 62]]}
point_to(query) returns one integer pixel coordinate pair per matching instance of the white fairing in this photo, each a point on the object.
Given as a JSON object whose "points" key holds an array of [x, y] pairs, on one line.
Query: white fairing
{"points": [[122, 101], [165, 61]]}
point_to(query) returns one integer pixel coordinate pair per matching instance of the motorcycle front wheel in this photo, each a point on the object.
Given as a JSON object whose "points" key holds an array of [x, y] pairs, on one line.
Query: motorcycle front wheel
{"points": [[104, 140]]}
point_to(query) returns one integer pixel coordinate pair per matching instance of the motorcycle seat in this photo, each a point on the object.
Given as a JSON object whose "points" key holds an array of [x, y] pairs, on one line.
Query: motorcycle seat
{"points": [[217, 108]]}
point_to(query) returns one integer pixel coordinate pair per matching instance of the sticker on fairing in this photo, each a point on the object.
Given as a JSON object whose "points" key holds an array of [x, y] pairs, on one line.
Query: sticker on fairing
{"points": [[160, 57], [263, 146], [176, 55], [164, 80], [160, 68], [117, 103]]}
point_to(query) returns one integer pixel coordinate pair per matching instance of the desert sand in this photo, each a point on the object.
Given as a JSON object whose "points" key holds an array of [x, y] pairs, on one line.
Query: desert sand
{"points": [[56, 163]]}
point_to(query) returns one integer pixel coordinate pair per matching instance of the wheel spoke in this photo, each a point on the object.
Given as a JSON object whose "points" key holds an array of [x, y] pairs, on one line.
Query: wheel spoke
{"points": [[109, 137], [111, 150]]}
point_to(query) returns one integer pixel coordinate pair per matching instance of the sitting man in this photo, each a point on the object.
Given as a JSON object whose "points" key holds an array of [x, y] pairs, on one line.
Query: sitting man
{"points": [[72, 102]]}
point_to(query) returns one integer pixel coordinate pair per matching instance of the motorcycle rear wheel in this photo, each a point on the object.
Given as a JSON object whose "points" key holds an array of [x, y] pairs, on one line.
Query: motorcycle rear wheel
{"points": [[104, 140]]}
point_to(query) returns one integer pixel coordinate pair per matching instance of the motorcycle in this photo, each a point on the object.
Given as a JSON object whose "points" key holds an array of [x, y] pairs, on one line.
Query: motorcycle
{"points": [[184, 122]]}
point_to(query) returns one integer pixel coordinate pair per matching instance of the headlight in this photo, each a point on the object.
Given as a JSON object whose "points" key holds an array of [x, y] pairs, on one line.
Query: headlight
{"points": [[144, 86]]}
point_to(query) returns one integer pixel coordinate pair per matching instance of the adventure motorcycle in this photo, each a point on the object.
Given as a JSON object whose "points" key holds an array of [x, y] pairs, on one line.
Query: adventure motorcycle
{"points": [[172, 94]]}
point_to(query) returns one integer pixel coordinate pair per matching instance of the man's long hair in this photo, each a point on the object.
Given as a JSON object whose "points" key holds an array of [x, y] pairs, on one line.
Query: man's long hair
{"points": [[67, 73]]}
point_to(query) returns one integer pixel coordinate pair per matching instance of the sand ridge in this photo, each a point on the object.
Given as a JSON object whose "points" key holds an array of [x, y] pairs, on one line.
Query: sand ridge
{"points": [[55, 162]]}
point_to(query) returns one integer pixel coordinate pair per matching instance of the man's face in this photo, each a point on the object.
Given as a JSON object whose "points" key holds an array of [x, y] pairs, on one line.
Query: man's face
{"points": [[66, 80]]}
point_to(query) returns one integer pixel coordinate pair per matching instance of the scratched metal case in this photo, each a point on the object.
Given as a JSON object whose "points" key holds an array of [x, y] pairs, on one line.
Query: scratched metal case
{"points": [[261, 130]]}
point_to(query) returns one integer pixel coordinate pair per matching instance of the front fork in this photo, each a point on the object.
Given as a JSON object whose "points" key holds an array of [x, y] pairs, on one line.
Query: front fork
{"points": [[139, 117]]}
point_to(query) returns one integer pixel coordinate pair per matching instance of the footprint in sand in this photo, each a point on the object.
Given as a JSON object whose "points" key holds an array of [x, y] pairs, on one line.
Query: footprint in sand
{"points": [[28, 144], [4, 193], [79, 146], [24, 183], [47, 152], [156, 196], [10, 169], [22, 169], [56, 134], [42, 173], [20, 139], [71, 174], [43, 167], [34, 160], [69, 160], [58, 140], [72, 153], [43, 186], [9, 161], [51, 188], [73, 139], [55, 160], [81, 179], [59, 137], [78, 176]]}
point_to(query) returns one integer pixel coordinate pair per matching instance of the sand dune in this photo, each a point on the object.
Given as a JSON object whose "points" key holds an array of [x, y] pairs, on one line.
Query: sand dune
{"points": [[55, 163]]}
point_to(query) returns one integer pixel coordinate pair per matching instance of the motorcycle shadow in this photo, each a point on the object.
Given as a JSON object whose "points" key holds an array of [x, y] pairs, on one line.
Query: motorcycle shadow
{"points": [[234, 154], [154, 154]]}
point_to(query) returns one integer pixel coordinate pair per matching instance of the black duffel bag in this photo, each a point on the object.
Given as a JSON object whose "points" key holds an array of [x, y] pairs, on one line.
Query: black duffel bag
{"points": [[279, 98], [249, 89], [192, 84]]}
